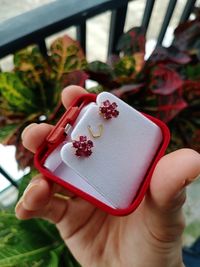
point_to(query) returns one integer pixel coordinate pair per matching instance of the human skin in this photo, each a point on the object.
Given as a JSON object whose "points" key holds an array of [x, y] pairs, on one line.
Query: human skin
{"points": [[149, 237]]}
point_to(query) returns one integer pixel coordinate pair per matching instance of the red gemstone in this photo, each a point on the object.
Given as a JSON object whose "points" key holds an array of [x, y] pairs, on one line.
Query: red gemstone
{"points": [[83, 138], [114, 105], [90, 143], [115, 113], [76, 144], [108, 110], [83, 147], [106, 103]]}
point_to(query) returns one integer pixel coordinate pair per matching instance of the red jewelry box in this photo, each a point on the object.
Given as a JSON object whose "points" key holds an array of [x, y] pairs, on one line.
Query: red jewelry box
{"points": [[59, 136]]}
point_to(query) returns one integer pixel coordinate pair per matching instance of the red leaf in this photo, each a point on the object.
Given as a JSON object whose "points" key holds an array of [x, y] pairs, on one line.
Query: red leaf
{"points": [[170, 54], [187, 36], [191, 90], [195, 142], [112, 60], [164, 80], [132, 42], [127, 89], [170, 105], [77, 77]]}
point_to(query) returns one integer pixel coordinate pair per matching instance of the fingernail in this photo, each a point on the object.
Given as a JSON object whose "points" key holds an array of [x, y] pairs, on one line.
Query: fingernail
{"points": [[27, 195], [26, 129], [35, 183], [18, 203], [30, 191], [31, 187]]}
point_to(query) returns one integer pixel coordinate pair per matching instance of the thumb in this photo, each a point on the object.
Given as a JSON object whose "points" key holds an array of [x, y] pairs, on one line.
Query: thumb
{"points": [[167, 193]]}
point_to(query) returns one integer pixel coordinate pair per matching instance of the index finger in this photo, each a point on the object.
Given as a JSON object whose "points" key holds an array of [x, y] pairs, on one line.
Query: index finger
{"points": [[70, 93]]}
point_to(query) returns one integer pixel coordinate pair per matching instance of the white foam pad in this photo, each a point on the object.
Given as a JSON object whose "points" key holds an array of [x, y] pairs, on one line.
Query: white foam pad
{"points": [[121, 156], [55, 164]]}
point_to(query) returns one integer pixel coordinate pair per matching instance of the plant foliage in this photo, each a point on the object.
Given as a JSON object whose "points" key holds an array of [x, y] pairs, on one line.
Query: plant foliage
{"points": [[33, 89], [33, 243], [167, 85]]}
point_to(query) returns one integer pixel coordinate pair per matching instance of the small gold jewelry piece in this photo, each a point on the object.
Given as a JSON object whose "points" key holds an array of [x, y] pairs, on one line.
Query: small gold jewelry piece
{"points": [[60, 196], [96, 135]]}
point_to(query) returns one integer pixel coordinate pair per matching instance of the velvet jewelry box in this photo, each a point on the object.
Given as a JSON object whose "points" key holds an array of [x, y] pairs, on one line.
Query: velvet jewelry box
{"points": [[104, 151]]}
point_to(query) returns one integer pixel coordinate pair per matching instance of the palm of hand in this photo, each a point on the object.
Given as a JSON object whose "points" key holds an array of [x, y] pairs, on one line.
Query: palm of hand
{"points": [[98, 239]]}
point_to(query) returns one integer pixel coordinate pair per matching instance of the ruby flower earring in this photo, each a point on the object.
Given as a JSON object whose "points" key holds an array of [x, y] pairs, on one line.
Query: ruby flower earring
{"points": [[108, 110], [83, 146]]}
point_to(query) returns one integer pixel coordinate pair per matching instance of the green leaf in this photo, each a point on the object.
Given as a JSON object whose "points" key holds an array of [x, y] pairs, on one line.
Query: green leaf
{"points": [[125, 69], [66, 56], [23, 243], [34, 243], [33, 70], [100, 72], [96, 89], [125, 66], [99, 67], [6, 130], [193, 72], [44, 244], [54, 261], [19, 97], [193, 229], [132, 42]]}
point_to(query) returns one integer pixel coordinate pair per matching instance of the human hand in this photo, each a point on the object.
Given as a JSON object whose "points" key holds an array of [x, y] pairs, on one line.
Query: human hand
{"points": [[149, 237]]}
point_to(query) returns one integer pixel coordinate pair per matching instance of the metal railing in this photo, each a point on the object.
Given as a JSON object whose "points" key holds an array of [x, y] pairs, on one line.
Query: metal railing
{"points": [[34, 26]]}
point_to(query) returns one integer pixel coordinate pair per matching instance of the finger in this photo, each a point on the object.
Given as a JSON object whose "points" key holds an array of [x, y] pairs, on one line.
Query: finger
{"points": [[70, 93], [44, 199], [34, 135], [21, 213], [167, 192], [67, 214], [53, 211], [27, 129], [39, 192], [62, 192], [172, 174]]}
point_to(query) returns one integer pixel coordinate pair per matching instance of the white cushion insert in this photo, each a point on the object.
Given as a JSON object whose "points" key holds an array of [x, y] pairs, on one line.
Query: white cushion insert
{"points": [[121, 156]]}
